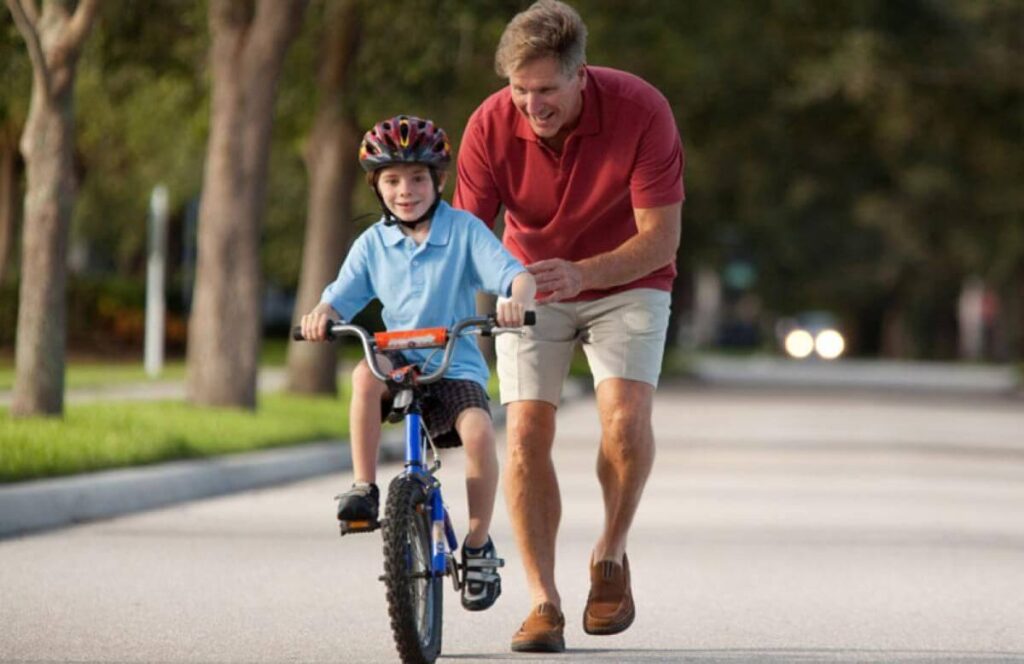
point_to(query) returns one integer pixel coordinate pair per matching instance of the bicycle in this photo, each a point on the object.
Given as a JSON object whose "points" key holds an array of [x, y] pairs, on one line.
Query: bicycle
{"points": [[419, 538]]}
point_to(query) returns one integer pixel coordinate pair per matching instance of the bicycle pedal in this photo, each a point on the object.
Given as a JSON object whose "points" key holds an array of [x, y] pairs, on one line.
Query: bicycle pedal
{"points": [[364, 526]]}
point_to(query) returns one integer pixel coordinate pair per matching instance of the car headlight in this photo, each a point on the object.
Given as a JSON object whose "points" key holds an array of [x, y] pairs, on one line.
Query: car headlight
{"points": [[799, 344], [829, 344]]}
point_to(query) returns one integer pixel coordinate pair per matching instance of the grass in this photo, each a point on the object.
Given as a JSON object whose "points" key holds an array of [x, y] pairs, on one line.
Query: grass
{"points": [[98, 436], [94, 373]]}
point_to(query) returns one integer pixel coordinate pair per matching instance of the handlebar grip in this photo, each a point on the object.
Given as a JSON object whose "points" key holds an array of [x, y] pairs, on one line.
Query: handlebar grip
{"points": [[530, 318], [297, 331]]}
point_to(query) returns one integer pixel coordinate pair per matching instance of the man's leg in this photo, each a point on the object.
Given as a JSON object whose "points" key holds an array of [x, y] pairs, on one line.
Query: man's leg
{"points": [[624, 460], [532, 496]]}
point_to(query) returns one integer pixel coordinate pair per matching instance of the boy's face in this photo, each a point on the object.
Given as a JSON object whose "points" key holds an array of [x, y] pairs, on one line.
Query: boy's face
{"points": [[407, 190]]}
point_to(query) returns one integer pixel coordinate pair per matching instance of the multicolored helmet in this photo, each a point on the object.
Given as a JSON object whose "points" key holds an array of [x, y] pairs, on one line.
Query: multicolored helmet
{"points": [[404, 139]]}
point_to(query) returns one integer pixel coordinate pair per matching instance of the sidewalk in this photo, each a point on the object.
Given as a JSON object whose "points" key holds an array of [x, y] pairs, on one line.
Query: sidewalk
{"points": [[877, 375]]}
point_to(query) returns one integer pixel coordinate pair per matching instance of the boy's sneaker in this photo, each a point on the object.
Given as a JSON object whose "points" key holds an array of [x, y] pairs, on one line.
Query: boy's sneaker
{"points": [[481, 584], [360, 503]]}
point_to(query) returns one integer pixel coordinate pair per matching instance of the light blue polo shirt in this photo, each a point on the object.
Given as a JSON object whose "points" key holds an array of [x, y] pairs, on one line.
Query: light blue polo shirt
{"points": [[429, 285]]}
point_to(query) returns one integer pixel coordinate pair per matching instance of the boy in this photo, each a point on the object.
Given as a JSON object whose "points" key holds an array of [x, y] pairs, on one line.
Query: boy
{"points": [[424, 261]]}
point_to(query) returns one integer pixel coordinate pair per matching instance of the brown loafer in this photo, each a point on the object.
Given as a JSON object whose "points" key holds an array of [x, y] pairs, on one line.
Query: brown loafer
{"points": [[610, 607], [542, 631]]}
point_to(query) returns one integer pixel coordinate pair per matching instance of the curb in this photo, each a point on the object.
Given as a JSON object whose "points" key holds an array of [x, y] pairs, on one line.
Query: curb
{"points": [[40, 505], [52, 503]]}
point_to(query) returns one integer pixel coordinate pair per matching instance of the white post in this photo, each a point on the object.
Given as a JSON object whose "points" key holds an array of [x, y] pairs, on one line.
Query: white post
{"points": [[155, 268]]}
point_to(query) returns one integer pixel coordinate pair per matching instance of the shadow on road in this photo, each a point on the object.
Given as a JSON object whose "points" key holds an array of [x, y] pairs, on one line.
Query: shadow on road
{"points": [[732, 655]]}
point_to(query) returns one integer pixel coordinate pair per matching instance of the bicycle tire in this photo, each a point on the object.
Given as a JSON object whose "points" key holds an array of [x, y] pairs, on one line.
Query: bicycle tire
{"points": [[415, 597]]}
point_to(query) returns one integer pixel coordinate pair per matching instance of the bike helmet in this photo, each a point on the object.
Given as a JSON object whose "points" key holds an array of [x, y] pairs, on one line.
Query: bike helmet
{"points": [[404, 139]]}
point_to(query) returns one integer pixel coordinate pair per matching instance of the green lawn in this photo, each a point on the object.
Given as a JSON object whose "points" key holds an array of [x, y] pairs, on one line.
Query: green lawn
{"points": [[99, 436], [94, 374]]}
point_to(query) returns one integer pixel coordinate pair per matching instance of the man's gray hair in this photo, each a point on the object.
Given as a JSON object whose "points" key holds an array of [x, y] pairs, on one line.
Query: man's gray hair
{"points": [[548, 28]]}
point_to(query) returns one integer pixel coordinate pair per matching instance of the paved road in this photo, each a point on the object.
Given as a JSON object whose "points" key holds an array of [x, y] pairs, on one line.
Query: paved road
{"points": [[778, 527]]}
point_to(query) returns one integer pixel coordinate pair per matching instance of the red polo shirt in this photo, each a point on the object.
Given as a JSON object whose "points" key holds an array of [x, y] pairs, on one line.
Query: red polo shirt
{"points": [[624, 153]]}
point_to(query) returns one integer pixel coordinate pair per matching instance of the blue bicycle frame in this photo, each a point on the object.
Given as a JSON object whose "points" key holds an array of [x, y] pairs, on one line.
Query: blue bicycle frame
{"points": [[441, 530]]}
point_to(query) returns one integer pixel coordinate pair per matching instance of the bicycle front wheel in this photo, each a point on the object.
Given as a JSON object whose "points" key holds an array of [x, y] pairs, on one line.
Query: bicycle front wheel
{"points": [[414, 593]]}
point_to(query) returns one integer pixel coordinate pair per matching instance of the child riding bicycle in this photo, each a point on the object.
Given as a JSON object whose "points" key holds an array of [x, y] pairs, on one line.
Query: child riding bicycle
{"points": [[425, 261]]}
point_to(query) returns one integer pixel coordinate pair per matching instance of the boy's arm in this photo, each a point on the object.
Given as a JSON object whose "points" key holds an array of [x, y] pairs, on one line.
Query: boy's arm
{"points": [[512, 310], [314, 324]]}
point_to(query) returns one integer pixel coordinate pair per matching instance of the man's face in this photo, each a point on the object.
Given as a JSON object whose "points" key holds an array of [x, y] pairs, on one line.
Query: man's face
{"points": [[549, 100]]}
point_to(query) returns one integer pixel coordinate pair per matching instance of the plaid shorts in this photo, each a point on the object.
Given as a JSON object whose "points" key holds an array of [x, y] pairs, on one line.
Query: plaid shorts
{"points": [[442, 403]]}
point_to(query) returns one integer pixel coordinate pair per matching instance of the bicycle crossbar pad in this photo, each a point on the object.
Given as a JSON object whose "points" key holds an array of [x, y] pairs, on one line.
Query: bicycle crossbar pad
{"points": [[428, 337]]}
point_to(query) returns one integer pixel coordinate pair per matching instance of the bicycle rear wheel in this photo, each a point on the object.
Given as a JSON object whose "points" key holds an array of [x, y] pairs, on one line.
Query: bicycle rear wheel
{"points": [[414, 594]]}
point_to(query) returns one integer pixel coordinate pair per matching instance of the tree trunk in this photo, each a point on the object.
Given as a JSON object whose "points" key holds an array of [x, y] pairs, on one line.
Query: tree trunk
{"points": [[8, 187], [333, 172], [246, 55], [54, 41]]}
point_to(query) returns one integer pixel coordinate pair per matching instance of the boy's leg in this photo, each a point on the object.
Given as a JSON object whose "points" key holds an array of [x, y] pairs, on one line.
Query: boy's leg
{"points": [[477, 433], [365, 420]]}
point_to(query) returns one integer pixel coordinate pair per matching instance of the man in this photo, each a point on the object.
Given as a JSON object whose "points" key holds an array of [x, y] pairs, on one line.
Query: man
{"points": [[588, 164]]}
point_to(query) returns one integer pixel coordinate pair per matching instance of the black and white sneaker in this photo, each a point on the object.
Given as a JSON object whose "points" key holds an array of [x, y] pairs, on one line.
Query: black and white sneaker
{"points": [[360, 503], [481, 583]]}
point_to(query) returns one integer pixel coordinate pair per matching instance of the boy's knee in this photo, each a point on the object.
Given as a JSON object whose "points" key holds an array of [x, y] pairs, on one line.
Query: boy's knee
{"points": [[364, 382], [475, 429]]}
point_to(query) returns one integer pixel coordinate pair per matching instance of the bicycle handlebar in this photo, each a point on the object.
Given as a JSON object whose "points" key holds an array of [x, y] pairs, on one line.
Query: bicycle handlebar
{"points": [[424, 338]]}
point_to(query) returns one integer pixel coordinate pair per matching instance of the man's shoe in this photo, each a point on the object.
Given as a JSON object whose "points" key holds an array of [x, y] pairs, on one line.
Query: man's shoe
{"points": [[360, 503], [542, 631], [610, 607], [481, 584]]}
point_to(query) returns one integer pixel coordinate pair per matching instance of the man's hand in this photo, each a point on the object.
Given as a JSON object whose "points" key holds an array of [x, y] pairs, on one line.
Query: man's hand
{"points": [[559, 279], [314, 324]]}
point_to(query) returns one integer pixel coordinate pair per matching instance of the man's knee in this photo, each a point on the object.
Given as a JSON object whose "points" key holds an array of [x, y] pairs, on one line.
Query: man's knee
{"points": [[530, 431]]}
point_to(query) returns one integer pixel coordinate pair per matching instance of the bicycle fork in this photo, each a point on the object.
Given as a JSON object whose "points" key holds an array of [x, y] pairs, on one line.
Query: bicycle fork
{"points": [[443, 541]]}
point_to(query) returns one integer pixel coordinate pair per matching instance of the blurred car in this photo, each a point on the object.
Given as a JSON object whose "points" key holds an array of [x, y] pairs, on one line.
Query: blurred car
{"points": [[811, 334]]}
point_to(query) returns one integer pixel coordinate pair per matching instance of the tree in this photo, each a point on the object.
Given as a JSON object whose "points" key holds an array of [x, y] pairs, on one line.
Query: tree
{"points": [[54, 39], [249, 41], [333, 170]]}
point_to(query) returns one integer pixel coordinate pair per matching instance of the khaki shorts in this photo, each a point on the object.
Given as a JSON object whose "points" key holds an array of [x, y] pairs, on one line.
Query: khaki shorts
{"points": [[623, 336]]}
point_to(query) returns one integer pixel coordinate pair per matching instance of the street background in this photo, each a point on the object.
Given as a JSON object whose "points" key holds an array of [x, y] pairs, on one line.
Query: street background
{"points": [[779, 525], [853, 172]]}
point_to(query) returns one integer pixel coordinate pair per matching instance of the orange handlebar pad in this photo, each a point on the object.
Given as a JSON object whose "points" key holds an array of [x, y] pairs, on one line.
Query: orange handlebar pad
{"points": [[428, 337]]}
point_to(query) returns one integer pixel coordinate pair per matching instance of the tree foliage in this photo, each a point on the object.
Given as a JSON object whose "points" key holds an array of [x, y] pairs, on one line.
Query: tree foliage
{"points": [[863, 157]]}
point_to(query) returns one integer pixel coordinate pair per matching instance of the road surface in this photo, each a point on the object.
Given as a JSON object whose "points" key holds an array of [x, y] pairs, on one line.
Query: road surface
{"points": [[778, 526]]}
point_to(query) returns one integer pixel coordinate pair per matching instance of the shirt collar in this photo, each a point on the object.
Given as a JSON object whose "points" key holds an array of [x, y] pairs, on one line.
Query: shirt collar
{"points": [[440, 228], [590, 115]]}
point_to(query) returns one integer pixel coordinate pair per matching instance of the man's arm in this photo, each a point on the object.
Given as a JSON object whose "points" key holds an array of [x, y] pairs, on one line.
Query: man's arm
{"points": [[475, 191], [654, 246]]}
